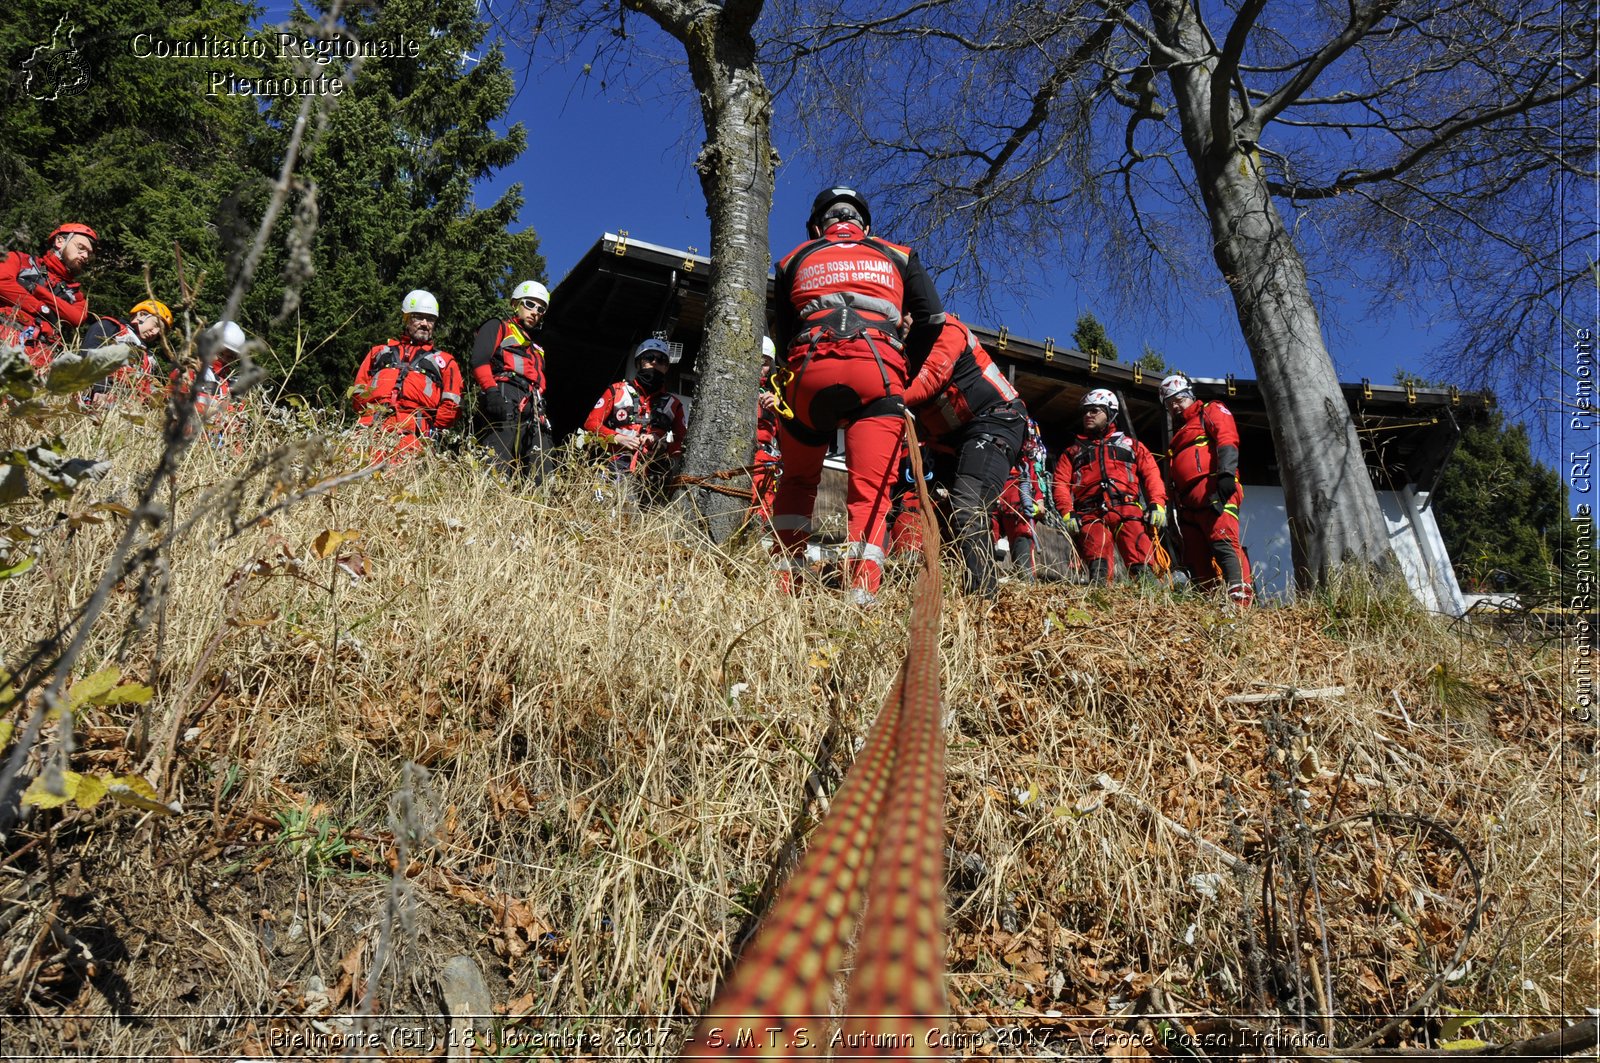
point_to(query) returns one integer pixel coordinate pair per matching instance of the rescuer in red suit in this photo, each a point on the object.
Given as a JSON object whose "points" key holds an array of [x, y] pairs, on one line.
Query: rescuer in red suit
{"points": [[1203, 468], [406, 385], [975, 426], [1098, 482], [768, 459], [840, 298], [40, 296]]}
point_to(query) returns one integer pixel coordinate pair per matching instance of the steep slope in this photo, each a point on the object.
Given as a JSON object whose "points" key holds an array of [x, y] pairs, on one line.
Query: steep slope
{"points": [[421, 714]]}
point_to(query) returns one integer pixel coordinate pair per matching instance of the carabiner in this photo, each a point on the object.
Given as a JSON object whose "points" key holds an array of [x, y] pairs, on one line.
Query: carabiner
{"points": [[780, 378]]}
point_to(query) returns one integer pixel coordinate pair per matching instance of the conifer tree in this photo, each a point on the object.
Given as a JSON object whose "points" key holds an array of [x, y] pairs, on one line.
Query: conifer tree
{"points": [[1500, 511], [393, 177], [96, 127], [1089, 336], [1153, 362]]}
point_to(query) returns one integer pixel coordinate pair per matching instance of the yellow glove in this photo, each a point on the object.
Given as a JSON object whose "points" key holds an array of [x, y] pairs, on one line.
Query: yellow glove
{"points": [[1157, 515]]}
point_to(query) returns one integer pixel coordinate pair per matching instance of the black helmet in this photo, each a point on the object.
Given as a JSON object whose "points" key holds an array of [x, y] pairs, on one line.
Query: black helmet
{"points": [[838, 194]]}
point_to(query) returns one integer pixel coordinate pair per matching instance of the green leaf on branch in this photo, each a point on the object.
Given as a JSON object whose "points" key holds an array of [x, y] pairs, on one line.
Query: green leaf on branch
{"points": [[1450, 1029], [64, 474], [40, 794], [136, 792], [105, 688], [13, 481], [92, 688], [90, 789], [128, 694], [19, 568], [17, 378], [76, 370], [87, 791]]}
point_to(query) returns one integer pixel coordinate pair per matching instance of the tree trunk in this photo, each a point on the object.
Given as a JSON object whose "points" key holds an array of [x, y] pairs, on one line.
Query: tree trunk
{"points": [[736, 174], [1334, 518]]}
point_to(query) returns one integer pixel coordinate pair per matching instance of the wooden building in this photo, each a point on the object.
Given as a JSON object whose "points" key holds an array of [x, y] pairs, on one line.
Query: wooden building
{"points": [[624, 290]]}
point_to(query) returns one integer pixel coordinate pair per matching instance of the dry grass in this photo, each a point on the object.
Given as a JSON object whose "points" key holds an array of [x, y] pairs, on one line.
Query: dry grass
{"points": [[619, 728]]}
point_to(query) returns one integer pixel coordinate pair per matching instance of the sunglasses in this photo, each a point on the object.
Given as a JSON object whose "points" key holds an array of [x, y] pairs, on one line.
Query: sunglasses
{"points": [[533, 304]]}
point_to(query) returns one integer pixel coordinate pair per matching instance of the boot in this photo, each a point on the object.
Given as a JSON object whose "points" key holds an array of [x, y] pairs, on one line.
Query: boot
{"points": [[791, 573], [863, 574], [1022, 557], [1099, 571]]}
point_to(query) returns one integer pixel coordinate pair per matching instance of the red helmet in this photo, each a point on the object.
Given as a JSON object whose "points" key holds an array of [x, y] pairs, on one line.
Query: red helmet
{"points": [[73, 228]]}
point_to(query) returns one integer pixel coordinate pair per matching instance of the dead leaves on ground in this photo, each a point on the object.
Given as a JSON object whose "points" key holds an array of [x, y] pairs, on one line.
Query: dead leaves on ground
{"points": [[516, 929]]}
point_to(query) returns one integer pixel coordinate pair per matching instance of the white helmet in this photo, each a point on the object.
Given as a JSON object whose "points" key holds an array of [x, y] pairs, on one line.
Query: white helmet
{"points": [[653, 344], [769, 350], [532, 290], [1175, 385], [1102, 397], [227, 336], [420, 302]]}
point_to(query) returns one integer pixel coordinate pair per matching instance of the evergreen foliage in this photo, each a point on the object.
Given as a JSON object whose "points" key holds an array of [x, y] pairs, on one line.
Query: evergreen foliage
{"points": [[1153, 361], [1089, 336], [1501, 512], [148, 156], [137, 149], [393, 176]]}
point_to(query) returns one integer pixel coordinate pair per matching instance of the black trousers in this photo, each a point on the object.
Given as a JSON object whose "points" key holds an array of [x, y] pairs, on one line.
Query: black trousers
{"points": [[514, 433], [981, 455]]}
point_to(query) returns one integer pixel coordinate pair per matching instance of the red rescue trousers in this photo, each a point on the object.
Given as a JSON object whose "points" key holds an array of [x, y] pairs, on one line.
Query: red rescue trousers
{"points": [[1121, 527], [843, 386], [905, 514], [1209, 536], [764, 485], [1009, 519]]}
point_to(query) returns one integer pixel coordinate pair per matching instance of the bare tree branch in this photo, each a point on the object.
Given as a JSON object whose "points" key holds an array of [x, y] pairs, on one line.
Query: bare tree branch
{"points": [[1227, 70], [1358, 26], [1043, 100], [1446, 136]]}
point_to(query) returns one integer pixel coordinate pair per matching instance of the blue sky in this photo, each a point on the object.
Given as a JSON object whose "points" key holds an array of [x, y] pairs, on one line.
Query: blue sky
{"points": [[625, 160], [604, 159], [640, 180], [625, 164]]}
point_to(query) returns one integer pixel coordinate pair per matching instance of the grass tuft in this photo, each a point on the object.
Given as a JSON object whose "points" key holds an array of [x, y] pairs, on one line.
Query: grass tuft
{"points": [[430, 712]]}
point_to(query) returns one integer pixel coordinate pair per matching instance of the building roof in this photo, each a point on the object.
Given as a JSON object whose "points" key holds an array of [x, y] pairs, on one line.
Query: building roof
{"points": [[624, 290]]}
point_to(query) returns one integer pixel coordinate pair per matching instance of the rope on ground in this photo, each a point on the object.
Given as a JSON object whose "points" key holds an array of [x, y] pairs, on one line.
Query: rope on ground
{"points": [[705, 481], [875, 864]]}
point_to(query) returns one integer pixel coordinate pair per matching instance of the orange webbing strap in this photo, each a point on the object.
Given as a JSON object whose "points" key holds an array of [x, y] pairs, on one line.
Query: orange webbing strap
{"points": [[876, 861], [1160, 560]]}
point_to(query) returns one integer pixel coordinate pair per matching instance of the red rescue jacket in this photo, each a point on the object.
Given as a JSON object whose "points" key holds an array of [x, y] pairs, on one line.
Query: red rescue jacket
{"points": [[1098, 473], [1204, 445], [29, 285], [213, 394], [956, 383], [846, 287], [419, 387], [658, 417], [503, 353], [766, 432]]}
